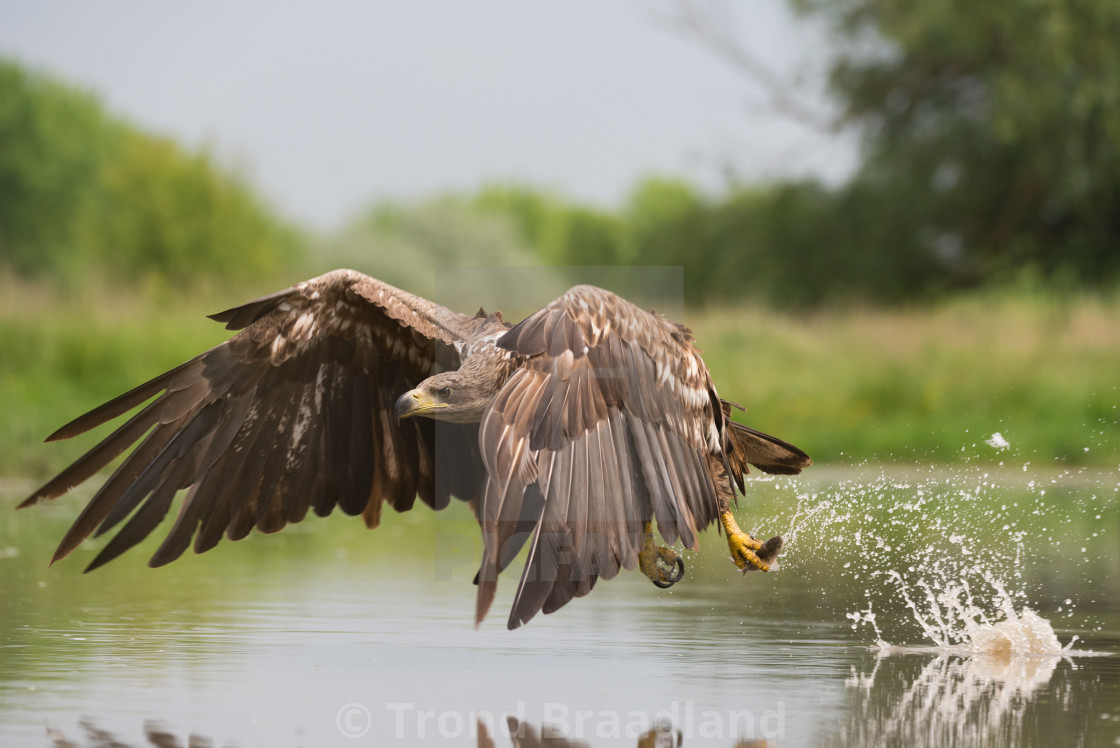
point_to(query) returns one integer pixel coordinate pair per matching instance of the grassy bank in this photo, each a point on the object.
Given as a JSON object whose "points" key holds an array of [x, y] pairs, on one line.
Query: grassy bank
{"points": [[930, 384], [893, 386], [61, 356]]}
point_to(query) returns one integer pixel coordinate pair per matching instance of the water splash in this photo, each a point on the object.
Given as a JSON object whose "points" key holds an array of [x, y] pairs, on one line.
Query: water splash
{"points": [[997, 441], [957, 624], [951, 566], [951, 555]]}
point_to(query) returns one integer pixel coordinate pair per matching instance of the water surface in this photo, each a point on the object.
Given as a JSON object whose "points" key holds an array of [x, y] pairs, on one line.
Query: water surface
{"points": [[329, 635]]}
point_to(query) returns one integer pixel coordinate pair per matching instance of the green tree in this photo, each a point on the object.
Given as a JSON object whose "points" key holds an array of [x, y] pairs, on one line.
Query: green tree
{"points": [[54, 141], [164, 213], [530, 210], [417, 245], [582, 235], [83, 192], [560, 231], [992, 131]]}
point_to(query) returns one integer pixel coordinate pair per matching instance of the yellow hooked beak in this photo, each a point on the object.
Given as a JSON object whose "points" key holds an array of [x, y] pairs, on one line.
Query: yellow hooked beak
{"points": [[416, 403]]}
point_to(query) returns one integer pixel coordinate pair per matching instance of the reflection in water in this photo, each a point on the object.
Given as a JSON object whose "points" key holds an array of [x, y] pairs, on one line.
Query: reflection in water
{"points": [[519, 734], [156, 733], [524, 735], [951, 700]]}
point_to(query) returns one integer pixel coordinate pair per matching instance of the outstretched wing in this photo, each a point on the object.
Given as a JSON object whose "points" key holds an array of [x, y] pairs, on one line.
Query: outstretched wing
{"points": [[293, 413], [611, 420]]}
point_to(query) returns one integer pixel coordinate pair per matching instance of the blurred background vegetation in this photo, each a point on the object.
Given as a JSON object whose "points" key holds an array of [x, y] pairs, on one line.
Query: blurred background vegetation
{"points": [[964, 280]]}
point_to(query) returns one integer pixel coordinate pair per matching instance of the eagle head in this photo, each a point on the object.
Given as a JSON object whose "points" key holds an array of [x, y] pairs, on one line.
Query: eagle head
{"points": [[449, 396]]}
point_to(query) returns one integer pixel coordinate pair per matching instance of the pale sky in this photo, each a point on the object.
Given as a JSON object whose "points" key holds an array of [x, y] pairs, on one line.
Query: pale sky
{"points": [[332, 104]]}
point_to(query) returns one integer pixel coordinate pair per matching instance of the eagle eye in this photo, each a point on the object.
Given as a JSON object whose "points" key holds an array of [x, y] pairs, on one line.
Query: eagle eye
{"points": [[444, 392]]}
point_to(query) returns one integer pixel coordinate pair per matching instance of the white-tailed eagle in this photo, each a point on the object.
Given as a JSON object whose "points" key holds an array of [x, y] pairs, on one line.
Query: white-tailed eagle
{"points": [[573, 431]]}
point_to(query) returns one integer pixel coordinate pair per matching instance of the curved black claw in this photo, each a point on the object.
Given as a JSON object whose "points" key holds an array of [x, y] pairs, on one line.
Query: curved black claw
{"points": [[671, 578]]}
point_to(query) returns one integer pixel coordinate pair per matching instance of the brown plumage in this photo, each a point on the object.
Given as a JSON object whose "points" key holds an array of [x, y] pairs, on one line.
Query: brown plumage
{"points": [[567, 431]]}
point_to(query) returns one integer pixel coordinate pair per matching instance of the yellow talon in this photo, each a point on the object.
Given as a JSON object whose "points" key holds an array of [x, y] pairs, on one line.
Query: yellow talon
{"points": [[748, 553], [648, 558]]}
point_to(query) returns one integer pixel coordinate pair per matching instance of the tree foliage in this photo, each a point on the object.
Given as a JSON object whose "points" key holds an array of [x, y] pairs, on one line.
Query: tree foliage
{"points": [[991, 130], [793, 244], [83, 192], [53, 143], [560, 231], [177, 215], [416, 245]]}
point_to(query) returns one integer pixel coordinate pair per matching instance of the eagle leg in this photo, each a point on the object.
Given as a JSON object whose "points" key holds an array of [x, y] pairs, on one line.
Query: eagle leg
{"points": [[661, 564], [747, 553]]}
